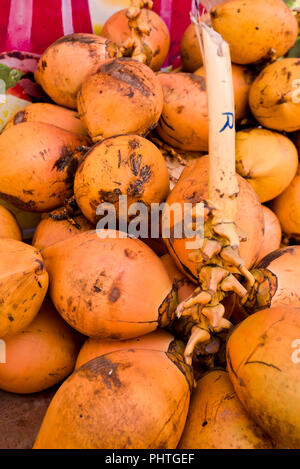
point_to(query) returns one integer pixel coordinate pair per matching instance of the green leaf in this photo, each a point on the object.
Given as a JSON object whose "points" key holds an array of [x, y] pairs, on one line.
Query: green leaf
{"points": [[10, 76], [295, 51], [292, 3]]}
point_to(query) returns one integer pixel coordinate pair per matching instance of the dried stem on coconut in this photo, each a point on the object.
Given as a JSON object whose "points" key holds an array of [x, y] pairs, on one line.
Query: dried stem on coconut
{"points": [[218, 253], [135, 47]]}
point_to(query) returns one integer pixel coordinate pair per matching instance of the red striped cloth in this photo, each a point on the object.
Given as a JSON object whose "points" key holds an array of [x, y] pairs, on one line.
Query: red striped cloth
{"points": [[32, 25]]}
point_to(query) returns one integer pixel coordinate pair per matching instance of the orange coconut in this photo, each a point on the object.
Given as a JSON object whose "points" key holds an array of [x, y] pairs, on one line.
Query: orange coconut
{"points": [[156, 42], [243, 78], [37, 165], [263, 357], [287, 208], [268, 160], [215, 407], [50, 114], [275, 96], [125, 392], [184, 285], [54, 228], [184, 120], [190, 52], [9, 227], [157, 340], [107, 285], [69, 61], [123, 97], [254, 29], [23, 285], [124, 165], [192, 188], [272, 233], [40, 355]]}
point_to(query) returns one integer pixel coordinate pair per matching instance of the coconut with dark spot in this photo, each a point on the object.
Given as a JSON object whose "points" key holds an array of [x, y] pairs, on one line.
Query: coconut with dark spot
{"points": [[107, 285], [255, 29], [156, 42], [184, 120], [50, 114], [40, 355], [56, 227], [215, 407], [69, 61], [272, 233], [263, 356], [275, 96], [120, 401], [124, 96], [157, 340], [38, 164], [23, 285], [124, 165]]}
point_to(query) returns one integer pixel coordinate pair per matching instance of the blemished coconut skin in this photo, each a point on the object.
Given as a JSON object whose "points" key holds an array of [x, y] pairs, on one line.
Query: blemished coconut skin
{"points": [[49, 114], [23, 285], [217, 419], [190, 53], [117, 30], [243, 78], [122, 165], [184, 120], [124, 96], [254, 29], [101, 287], [287, 208], [96, 407], [274, 96], [9, 227], [37, 165], [50, 231], [93, 348], [263, 356], [184, 285], [192, 188], [267, 159], [40, 355], [68, 62], [272, 233]]}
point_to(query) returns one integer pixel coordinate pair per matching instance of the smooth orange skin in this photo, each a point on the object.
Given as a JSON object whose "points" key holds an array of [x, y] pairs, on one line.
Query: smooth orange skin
{"points": [[49, 114], [274, 97], [284, 263], [263, 365], [192, 188], [37, 165], [119, 401], [184, 120], [254, 28], [217, 420], [93, 348], [23, 285], [50, 231], [272, 233], [9, 227], [68, 62], [190, 53], [242, 78], [267, 159], [158, 41], [122, 165], [123, 97], [111, 288], [185, 286], [287, 208], [40, 355]]}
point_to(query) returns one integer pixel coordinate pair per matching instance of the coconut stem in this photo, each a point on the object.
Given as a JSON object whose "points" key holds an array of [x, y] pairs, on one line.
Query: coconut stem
{"points": [[217, 258], [134, 46]]}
